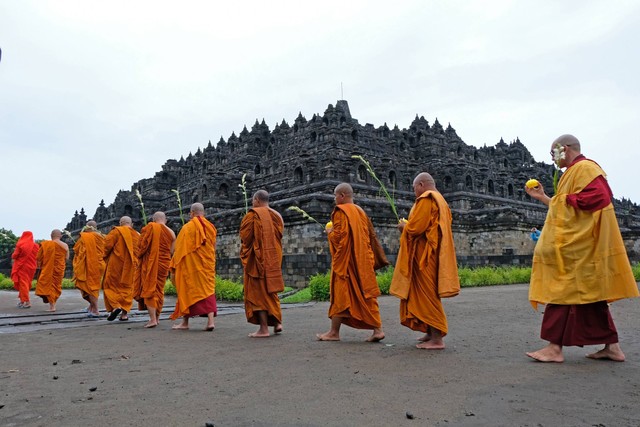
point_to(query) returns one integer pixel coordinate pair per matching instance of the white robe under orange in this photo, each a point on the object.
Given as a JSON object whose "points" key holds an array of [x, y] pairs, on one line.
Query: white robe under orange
{"points": [[117, 285]]}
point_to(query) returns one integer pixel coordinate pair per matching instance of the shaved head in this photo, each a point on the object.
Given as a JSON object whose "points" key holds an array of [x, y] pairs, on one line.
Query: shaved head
{"points": [[56, 234], [343, 193], [159, 217], [423, 182], [92, 223], [125, 220], [568, 140], [197, 209], [261, 195]]}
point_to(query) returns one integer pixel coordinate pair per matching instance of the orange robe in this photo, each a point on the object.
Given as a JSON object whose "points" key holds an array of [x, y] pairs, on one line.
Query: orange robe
{"points": [[88, 263], [194, 264], [426, 268], [52, 259], [353, 289], [24, 265], [261, 255], [117, 285], [154, 256]]}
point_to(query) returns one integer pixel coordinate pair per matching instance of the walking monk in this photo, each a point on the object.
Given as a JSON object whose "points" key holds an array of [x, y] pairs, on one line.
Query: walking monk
{"points": [[353, 288], [52, 261], [194, 270], [88, 265], [153, 252], [580, 262], [24, 267], [261, 256], [426, 268], [121, 261]]}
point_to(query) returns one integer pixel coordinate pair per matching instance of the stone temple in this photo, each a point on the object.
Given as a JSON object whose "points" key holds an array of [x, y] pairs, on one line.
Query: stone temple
{"points": [[300, 164]]}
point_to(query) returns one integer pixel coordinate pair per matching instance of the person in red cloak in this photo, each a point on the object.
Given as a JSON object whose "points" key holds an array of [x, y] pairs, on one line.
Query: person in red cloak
{"points": [[24, 267]]}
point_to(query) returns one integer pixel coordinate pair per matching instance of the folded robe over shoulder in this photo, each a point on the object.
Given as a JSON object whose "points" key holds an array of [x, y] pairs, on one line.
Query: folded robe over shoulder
{"points": [[88, 263], [261, 255], [52, 258], [194, 264], [154, 256]]}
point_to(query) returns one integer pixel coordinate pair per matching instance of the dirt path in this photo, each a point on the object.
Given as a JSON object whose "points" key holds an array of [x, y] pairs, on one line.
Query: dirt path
{"points": [[161, 377]]}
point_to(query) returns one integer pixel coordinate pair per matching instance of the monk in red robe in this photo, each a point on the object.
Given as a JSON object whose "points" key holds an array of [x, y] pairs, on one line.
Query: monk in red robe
{"points": [[580, 263], [353, 289], [121, 262], [261, 255], [426, 268], [52, 261], [154, 249], [88, 265], [24, 267], [194, 270]]}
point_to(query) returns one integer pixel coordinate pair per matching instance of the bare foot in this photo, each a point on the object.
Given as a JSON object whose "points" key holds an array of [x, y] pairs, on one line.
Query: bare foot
{"points": [[209, 328], [180, 326], [424, 338], [259, 335], [277, 329], [151, 324], [379, 336], [609, 352], [550, 353], [51, 309], [327, 336], [431, 345]]}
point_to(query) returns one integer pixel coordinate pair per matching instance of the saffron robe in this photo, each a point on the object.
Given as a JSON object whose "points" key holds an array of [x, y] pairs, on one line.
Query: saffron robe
{"points": [[353, 287], [24, 265], [580, 257], [117, 285], [88, 263], [194, 266], [426, 269], [261, 255], [52, 259], [153, 252]]}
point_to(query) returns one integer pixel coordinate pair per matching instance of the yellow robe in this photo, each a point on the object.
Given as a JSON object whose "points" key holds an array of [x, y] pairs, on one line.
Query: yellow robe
{"points": [[88, 263], [154, 256], [580, 257], [194, 264], [426, 268], [353, 289], [261, 255], [52, 259], [121, 261]]}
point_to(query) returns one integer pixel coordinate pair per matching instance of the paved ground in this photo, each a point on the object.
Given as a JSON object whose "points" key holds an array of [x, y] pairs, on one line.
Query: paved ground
{"points": [[160, 377]]}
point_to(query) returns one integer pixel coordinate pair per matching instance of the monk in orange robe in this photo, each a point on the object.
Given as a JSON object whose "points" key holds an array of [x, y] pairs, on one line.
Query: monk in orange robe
{"points": [[193, 266], [121, 262], [89, 265], [426, 268], [24, 267], [153, 252], [261, 255], [580, 263], [52, 261], [353, 289]]}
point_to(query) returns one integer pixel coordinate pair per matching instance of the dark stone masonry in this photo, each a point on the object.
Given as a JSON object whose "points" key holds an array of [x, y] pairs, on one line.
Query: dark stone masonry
{"points": [[300, 165]]}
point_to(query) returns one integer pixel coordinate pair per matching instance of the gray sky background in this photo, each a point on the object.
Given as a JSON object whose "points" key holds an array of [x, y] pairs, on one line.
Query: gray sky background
{"points": [[97, 95]]}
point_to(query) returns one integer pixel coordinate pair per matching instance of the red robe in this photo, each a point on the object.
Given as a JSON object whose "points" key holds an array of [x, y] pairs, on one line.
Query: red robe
{"points": [[24, 265]]}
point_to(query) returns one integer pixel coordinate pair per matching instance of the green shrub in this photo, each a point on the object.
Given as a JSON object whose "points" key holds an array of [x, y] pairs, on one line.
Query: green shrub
{"points": [[68, 284], [227, 290], [169, 289], [6, 283], [636, 271], [319, 286], [383, 278], [303, 295]]}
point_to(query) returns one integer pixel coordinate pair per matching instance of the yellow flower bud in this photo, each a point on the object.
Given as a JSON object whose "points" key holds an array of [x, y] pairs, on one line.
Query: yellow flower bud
{"points": [[403, 220], [329, 225], [532, 183]]}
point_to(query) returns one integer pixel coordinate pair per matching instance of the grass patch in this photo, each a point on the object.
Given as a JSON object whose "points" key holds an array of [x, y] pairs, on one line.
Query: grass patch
{"points": [[303, 295]]}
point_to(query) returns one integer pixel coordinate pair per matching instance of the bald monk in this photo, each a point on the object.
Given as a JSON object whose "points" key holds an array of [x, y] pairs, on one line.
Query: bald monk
{"points": [[52, 261], [154, 249], [89, 265], [194, 270], [261, 256], [24, 267], [119, 256], [353, 289], [426, 268], [580, 262]]}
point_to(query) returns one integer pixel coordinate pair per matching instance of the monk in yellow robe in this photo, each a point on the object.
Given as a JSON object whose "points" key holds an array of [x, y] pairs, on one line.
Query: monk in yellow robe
{"points": [[52, 261], [426, 268], [153, 252], [353, 289], [89, 265], [261, 255], [580, 263], [24, 267], [193, 266], [117, 285]]}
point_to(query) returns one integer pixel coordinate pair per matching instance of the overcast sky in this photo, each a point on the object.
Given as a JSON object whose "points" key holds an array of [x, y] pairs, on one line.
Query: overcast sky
{"points": [[95, 95]]}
